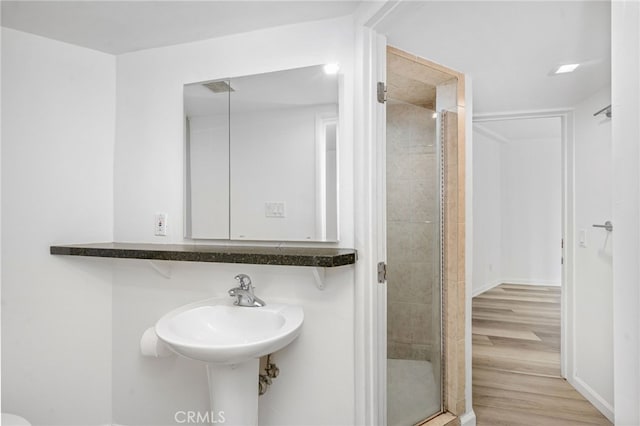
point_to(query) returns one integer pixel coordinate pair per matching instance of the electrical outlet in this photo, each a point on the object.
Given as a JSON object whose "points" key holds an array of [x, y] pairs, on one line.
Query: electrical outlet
{"points": [[274, 210], [161, 224]]}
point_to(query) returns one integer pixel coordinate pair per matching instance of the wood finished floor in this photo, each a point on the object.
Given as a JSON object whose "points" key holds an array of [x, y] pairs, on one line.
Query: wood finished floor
{"points": [[516, 361]]}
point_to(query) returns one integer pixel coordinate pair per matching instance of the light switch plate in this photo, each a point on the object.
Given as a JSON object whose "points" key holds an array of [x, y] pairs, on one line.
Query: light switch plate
{"points": [[582, 237]]}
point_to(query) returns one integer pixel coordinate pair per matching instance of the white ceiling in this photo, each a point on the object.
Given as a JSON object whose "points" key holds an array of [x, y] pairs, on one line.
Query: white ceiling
{"points": [[125, 26], [507, 131], [509, 47]]}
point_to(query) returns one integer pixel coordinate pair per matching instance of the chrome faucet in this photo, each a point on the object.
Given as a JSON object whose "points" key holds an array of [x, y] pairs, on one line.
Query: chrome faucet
{"points": [[244, 293]]}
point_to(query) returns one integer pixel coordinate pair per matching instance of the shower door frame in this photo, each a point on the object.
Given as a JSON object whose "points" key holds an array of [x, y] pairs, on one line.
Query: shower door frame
{"points": [[454, 323]]}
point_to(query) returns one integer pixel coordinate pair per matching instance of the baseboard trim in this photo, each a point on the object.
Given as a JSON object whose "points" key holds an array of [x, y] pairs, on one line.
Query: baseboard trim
{"points": [[485, 287], [531, 282], [593, 397], [468, 419], [493, 284]]}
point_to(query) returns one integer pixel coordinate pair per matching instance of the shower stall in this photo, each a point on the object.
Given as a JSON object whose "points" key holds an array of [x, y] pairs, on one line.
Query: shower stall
{"points": [[421, 135]]}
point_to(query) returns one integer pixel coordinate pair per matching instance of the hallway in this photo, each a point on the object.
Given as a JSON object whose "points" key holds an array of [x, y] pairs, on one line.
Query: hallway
{"points": [[516, 361]]}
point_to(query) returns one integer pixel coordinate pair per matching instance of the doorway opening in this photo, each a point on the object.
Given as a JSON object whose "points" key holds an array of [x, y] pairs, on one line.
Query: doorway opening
{"points": [[519, 148], [520, 310]]}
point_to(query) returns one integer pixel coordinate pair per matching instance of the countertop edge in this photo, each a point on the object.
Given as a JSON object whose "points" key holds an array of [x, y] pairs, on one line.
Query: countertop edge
{"points": [[258, 255]]}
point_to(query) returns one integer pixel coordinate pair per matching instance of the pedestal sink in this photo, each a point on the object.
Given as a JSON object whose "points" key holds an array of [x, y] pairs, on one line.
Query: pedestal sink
{"points": [[230, 340]]}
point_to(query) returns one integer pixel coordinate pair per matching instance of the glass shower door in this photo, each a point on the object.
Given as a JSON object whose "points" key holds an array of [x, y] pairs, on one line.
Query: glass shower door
{"points": [[414, 301]]}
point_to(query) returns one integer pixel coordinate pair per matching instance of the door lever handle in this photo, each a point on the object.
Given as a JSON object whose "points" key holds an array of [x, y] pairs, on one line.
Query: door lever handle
{"points": [[607, 225]]}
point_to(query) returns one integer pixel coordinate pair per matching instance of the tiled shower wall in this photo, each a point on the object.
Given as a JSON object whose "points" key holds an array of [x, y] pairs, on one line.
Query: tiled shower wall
{"points": [[412, 234]]}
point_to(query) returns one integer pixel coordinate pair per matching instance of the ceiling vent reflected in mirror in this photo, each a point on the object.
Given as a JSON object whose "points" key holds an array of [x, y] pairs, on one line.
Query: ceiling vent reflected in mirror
{"points": [[219, 87]]}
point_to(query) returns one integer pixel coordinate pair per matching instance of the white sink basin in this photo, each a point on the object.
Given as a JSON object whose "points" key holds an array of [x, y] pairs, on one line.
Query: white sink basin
{"points": [[215, 331], [230, 340]]}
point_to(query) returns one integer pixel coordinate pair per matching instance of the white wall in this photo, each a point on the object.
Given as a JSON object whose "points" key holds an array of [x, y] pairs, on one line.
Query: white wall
{"points": [[531, 211], [316, 383], [516, 211], [592, 301], [487, 213], [58, 115], [625, 97]]}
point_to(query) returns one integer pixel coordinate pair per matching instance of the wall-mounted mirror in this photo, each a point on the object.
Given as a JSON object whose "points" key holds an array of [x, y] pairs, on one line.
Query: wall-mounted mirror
{"points": [[261, 156]]}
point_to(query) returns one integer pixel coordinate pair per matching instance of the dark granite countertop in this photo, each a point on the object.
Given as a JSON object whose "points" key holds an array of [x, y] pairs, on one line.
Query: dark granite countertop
{"points": [[258, 255]]}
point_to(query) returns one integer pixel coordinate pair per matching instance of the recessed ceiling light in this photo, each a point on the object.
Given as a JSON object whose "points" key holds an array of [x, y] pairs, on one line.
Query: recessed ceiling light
{"points": [[331, 68], [563, 69]]}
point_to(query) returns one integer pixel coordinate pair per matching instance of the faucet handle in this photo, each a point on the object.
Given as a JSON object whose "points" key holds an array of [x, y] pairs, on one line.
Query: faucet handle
{"points": [[244, 280]]}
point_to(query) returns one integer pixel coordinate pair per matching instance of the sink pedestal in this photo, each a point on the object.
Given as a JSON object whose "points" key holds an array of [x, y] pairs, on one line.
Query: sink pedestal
{"points": [[233, 392]]}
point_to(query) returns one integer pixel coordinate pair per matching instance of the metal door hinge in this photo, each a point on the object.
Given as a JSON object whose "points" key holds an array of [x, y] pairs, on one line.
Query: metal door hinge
{"points": [[382, 272], [382, 92]]}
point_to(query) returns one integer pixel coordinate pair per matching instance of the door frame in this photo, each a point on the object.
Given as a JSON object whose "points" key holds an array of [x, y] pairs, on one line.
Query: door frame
{"points": [[369, 383], [370, 233], [567, 303]]}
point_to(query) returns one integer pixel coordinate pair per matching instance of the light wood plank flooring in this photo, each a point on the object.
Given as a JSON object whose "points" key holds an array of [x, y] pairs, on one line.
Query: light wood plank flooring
{"points": [[516, 361]]}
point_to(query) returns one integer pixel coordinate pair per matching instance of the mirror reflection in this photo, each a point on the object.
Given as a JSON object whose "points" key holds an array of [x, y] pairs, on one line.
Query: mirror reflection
{"points": [[206, 107], [262, 156]]}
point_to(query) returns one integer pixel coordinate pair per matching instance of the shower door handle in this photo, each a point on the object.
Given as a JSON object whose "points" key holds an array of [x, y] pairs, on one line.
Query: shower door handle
{"points": [[607, 225]]}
